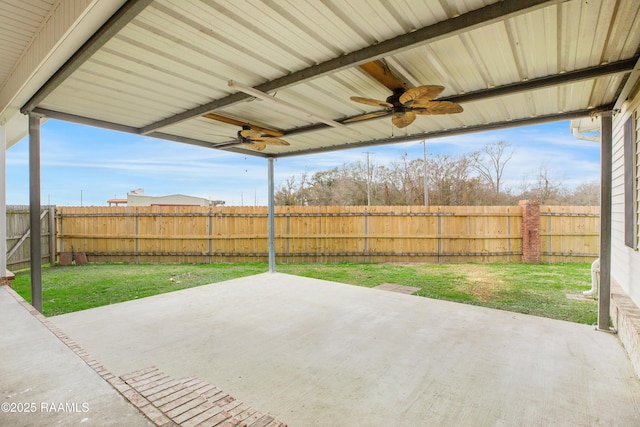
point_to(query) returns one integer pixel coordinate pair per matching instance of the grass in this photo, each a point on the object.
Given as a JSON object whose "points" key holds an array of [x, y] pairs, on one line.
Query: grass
{"points": [[73, 288], [539, 289]]}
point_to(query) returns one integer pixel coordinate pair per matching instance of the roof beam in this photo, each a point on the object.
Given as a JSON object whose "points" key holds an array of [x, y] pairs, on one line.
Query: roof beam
{"points": [[527, 121], [465, 22], [82, 120], [122, 17], [547, 81], [627, 86], [625, 65], [58, 115]]}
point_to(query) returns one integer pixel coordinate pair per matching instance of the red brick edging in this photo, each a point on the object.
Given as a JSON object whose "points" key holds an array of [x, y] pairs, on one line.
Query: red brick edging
{"points": [[136, 387]]}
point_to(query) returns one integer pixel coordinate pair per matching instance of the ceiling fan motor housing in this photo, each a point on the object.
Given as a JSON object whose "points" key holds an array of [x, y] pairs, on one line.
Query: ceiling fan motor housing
{"points": [[398, 107]]}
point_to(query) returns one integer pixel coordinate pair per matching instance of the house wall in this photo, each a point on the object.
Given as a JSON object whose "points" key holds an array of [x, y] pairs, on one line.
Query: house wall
{"points": [[625, 261], [175, 199]]}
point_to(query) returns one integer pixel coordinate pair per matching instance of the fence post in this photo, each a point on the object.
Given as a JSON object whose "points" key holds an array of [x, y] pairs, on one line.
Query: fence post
{"points": [[509, 237], [530, 231], [210, 236], [439, 235], [136, 220], [366, 239], [549, 232], [287, 231], [52, 236]]}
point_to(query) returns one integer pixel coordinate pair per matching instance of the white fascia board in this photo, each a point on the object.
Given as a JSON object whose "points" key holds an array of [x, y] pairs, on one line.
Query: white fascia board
{"points": [[67, 28]]}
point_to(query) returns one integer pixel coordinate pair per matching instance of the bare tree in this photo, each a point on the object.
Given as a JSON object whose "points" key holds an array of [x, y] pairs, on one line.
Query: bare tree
{"points": [[401, 182], [451, 182], [490, 163], [585, 195], [543, 186]]}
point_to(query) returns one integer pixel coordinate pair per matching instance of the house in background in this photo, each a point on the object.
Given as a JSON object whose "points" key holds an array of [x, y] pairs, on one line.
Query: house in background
{"points": [[138, 198]]}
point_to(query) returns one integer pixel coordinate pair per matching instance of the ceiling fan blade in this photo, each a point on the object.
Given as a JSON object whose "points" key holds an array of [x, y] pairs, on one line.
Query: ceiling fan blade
{"points": [[232, 121], [421, 92], [436, 107], [367, 116], [404, 119], [272, 141], [369, 101], [257, 145], [381, 72], [250, 134]]}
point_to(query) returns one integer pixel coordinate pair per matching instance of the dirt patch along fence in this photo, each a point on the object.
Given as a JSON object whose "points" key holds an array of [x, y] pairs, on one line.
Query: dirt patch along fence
{"points": [[432, 234]]}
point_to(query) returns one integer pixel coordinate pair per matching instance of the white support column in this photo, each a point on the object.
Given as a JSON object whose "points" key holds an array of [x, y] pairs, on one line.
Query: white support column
{"points": [[34, 211], [606, 169], [271, 220], [3, 200]]}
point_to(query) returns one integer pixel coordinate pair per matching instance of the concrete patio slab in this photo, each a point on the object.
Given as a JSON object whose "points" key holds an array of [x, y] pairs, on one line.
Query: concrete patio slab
{"points": [[44, 383], [318, 353]]}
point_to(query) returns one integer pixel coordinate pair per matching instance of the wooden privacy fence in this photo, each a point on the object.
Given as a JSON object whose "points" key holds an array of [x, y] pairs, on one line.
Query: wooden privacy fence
{"points": [[19, 236], [323, 234], [569, 233]]}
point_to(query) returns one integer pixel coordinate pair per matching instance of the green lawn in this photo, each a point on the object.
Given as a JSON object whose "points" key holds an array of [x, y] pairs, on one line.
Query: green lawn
{"points": [[539, 289]]}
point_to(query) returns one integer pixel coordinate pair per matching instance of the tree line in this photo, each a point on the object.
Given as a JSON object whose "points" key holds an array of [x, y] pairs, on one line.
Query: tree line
{"points": [[462, 180]]}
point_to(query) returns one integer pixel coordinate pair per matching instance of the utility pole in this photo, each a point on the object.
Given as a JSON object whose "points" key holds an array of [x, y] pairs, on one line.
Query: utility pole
{"points": [[368, 179], [426, 177]]}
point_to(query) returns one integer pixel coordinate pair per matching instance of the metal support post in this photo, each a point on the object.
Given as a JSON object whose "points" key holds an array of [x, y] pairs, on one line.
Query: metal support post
{"points": [[604, 292], [3, 200], [271, 219], [34, 211]]}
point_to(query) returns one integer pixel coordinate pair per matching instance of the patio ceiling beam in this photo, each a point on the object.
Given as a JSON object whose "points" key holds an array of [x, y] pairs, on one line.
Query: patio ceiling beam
{"points": [[465, 22], [547, 81], [625, 65], [455, 131], [87, 121], [627, 86], [119, 20]]}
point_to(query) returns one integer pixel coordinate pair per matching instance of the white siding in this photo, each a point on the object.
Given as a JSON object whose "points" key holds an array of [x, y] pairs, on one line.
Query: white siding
{"points": [[174, 199], [625, 268]]}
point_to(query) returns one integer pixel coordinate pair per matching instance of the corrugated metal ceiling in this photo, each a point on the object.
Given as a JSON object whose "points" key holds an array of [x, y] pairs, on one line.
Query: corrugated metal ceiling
{"points": [[172, 62]]}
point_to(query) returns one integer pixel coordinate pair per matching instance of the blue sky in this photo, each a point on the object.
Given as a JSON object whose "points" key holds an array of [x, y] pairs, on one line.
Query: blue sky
{"points": [[87, 165]]}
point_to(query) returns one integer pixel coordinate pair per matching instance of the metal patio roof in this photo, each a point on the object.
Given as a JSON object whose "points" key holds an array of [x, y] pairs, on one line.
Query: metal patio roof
{"points": [[157, 66]]}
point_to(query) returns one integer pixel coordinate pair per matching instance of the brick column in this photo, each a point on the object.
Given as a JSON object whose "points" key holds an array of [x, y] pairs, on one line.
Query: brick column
{"points": [[530, 231], [7, 278]]}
